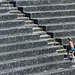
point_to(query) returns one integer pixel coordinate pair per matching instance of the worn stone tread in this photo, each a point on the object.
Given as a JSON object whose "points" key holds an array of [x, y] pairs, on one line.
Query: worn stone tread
{"points": [[60, 71], [32, 66], [34, 51]]}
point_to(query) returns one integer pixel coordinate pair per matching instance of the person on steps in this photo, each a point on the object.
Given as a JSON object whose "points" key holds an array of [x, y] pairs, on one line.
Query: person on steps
{"points": [[70, 47]]}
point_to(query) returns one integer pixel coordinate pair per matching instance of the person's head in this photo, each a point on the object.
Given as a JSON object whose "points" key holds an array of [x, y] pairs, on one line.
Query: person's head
{"points": [[70, 39]]}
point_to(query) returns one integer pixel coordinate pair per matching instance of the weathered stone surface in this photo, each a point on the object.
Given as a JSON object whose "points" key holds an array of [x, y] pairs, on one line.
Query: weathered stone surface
{"points": [[17, 62], [48, 7], [22, 51], [41, 2], [58, 26], [37, 68], [22, 45], [3, 10], [11, 23], [18, 37], [50, 20], [54, 13], [15, 30], [4, 17], [62, 33]]}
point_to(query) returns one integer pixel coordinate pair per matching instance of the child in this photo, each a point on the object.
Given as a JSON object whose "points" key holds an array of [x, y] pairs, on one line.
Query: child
{"points": [[70, 47]]}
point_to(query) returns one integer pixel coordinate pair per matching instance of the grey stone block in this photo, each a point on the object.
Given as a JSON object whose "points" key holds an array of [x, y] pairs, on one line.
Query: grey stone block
{"points": [[37, 68], [15, 30], [48, 7], [11, 23], [32, 2], [30, 60], [39, 2], [60, 71], [17, 38], [3, 10], [42, 14], [4, 17], [58, 26], [62, 33], [49, 20], [28, 52], [22, 45]]}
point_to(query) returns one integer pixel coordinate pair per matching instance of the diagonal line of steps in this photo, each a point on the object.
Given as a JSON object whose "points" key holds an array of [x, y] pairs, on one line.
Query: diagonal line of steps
{"points": [[35, 52]]}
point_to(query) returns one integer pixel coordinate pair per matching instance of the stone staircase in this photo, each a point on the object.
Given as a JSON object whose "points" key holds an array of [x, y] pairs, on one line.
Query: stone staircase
{"points": [[25, 49], [57, 18]]}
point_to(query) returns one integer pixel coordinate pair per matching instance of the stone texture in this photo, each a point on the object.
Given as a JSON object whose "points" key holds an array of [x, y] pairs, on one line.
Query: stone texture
{"points": [[54, 13], [58, 26], [16, 30], [4, 17], [22, 51], [62, 33], [18, 37], [48, 7], [11, 23]]}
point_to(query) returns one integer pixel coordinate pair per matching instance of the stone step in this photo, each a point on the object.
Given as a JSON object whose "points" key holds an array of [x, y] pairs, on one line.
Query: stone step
{"points": [[29, 22], [12, 8], [40, 32], [73, 63], [58, 26], [37, 29], [15, 30], [22, 45], [20, 15], [25, 61], [7, 5], [31, 25], [18, 38], [60, 71], [36, 68], [62, 33], [64, 40], [61, 51], [45, 36], [41, 14], [7, 9], [53, 43], [49, 39], [7, 16], [23, 18], [5, 2], [3, 10], [16, 54], [15, 11], [48, 20], [30, 2], [48, 7], [11, 23]]}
